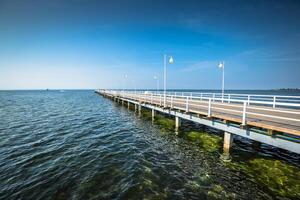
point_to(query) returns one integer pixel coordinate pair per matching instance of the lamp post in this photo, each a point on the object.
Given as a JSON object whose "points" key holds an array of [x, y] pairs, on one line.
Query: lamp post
{"points": [[222, 66], [171, 61], [157, 83]]}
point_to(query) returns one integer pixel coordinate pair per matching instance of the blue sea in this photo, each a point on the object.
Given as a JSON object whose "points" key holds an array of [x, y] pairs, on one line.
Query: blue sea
{"points": [[76, 144]]}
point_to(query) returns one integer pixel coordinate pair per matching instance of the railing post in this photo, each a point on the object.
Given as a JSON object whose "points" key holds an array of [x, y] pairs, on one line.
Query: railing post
{"points": [[228, 98], [248, 99], [209, 108], [201, 96], [244, 113], [187, 104], [151, 98], [171, 101], [274, 101], [222, 97]]}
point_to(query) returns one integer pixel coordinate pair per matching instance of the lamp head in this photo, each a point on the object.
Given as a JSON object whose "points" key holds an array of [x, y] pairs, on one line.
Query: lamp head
{"points": [[221, 64], [171, 60]]}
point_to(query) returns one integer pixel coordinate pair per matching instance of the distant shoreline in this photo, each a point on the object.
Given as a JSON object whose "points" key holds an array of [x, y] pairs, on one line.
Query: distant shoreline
{"points": [[287, 89]]}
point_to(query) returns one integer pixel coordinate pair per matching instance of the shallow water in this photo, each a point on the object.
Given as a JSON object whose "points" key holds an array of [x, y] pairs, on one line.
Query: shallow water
{"points": [[79, 145]]}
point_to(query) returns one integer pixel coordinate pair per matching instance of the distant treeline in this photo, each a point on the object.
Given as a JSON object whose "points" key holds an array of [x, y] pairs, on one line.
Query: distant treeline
{"points": [[288, 89]]}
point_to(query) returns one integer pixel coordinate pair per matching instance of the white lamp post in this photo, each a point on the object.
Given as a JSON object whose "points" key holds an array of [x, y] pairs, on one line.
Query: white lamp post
{"points": [[222, 66], [157, 83], [171, 61]]}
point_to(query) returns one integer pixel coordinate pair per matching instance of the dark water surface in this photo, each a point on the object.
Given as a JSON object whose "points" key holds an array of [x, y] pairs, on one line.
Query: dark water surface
{"points": [[79, 145]]}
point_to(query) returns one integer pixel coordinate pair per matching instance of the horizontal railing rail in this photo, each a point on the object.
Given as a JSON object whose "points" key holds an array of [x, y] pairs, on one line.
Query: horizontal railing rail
{"points": [[274, 99]]}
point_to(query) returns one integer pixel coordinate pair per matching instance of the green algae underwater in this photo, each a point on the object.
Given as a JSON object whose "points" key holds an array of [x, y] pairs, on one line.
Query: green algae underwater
{"points": [[279, 177], [208, 142]]}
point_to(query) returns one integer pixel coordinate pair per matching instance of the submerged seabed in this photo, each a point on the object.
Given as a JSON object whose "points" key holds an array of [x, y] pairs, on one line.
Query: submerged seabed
{"points": [[78, 145]]}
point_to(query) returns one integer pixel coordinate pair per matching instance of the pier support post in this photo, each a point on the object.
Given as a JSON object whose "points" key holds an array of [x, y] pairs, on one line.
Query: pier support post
{"points": [[135, 107], [140, 108], [128, 105], [153, 114], [177, 122], [228, 140]]}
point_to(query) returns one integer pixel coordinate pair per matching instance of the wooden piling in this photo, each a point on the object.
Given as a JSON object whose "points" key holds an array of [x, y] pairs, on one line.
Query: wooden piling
{"points": [[153, 114], [140, 109], [228, 140], [177, 122]]}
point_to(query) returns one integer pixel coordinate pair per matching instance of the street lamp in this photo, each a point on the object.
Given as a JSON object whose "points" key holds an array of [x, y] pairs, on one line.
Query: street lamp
{"points": [[171, 61], [222, 66], [157, 83]]}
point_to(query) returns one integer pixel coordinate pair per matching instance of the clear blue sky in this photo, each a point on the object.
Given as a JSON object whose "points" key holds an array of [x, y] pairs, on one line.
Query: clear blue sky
{"points": [[92, 44]]}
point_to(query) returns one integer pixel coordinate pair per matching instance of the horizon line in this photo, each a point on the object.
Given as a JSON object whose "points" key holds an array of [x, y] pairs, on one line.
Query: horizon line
{"points": [[49, 89]]}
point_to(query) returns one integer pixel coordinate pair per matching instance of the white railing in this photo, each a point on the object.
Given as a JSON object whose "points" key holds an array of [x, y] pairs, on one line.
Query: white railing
{"points": [[283, 113], [268, 100], [250, 98]]}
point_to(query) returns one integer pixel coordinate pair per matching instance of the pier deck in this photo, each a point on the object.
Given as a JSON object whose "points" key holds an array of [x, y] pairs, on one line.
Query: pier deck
{"points": [[281, 119]]}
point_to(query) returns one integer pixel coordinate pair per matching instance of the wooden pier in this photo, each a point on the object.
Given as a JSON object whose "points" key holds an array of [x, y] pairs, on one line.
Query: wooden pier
{"points": [[262, 119]]}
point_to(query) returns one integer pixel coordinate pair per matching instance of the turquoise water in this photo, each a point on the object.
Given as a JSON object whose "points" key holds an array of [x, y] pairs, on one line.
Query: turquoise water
{"points": [[79, 145]]}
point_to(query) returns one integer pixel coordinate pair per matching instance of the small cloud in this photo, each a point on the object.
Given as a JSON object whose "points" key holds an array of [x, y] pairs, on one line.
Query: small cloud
{"points": [[199, 66], [268, 55]]}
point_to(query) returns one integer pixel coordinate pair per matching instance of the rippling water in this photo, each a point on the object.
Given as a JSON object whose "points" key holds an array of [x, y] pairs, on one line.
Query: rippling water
{"points": [[78, 145]]}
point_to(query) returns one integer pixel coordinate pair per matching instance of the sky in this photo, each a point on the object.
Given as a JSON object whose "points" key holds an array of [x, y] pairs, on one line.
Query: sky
{"points": [[77, 44]]}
